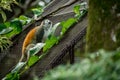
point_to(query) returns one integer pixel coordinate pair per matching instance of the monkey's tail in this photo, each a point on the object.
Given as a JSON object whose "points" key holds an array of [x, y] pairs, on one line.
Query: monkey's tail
{"points": [[21, 58]]}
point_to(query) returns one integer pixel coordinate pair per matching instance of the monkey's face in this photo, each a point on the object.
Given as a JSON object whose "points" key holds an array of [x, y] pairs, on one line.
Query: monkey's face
{"points": [[47, 24]]}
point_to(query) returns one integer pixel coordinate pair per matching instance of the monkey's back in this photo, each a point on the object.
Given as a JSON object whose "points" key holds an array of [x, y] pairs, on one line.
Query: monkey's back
{"points": [[29, 38]]}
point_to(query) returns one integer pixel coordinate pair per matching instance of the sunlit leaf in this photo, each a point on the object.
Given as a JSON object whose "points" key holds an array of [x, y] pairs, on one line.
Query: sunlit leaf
{"points": [[12, 76], [32, 60], [17, 28], [50, 42], [37, 11], [77, 9], [66, 24], [25, 20]]}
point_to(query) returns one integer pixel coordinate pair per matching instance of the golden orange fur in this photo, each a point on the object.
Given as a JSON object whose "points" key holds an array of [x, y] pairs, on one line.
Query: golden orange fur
{"points": [[29, 40]]}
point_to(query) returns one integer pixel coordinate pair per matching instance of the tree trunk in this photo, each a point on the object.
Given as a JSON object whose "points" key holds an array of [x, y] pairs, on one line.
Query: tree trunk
{"points": [[103, 26]]}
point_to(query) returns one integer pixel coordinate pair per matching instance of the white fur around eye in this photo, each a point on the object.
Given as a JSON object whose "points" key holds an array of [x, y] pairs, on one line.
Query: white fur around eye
{"points": [[47, 21]]}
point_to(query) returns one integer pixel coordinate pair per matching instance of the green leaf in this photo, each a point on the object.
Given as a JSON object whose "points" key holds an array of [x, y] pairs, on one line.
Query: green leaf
{"points": [[3, 15], [77, 9], [67, 24], [17, 28], [33, 60], [7, 24], [6, 30], [2, 26], [25, 20], [37, 11], [50, 42], [12, 76]]}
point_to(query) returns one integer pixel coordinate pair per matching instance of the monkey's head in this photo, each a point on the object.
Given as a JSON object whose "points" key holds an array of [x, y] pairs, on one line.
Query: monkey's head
{"points": [[47, 24], [45, 31]]}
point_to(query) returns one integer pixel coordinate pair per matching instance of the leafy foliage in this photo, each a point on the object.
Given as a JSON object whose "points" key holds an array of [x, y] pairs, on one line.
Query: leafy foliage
{"points": [[5, 4], [4, 29], [37, 11], [4, 43], [12, 76], [23, 19], [77, 11], [16, 27], [8, 30], [32, 60], [67, 24], [96, 66], [49, 42]]}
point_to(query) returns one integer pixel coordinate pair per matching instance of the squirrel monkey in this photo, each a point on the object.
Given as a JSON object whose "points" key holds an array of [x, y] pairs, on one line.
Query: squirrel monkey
{"points": [[36, 35]]}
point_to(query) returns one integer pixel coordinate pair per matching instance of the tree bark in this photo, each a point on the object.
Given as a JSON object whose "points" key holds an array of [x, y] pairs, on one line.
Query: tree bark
{"points": [[103, 25]]}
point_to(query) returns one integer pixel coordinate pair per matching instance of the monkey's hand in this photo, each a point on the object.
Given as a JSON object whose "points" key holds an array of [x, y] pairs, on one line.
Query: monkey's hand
{"points": [[34, 50]]}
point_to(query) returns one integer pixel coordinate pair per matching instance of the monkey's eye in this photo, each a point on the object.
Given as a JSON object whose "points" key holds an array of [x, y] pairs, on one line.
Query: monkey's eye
{"points": [[49, 22]]}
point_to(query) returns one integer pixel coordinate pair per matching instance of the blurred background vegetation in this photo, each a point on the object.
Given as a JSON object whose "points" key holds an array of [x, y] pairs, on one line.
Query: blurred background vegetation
{"points": [[101, 65]]}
